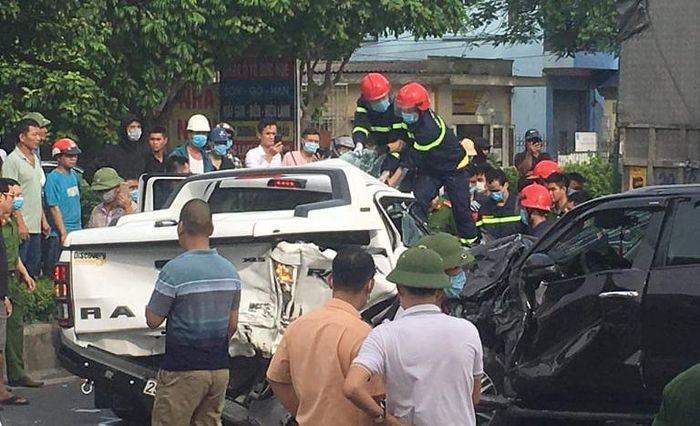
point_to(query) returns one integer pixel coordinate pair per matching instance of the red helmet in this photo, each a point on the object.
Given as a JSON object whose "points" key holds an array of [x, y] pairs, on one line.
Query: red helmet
{"points": [[374, 87], [64, 146], [413, 95], [544, 168], [536, 196]]}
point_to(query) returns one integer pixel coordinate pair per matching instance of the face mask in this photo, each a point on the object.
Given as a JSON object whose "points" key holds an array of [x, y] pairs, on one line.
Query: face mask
{"points": [[409, 117], [17, 203], [497, 196], [221, 149], [457, 283], [311, 147], [109, 196], [472, 189], [133, 135], [380, 106], [480, 187], [524, 217], [134, 194], [199, 140]]}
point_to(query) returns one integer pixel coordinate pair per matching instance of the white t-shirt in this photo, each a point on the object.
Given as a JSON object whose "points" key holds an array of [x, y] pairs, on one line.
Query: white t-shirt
{"points": [[428, 362], [256, 158], [196, 166]]}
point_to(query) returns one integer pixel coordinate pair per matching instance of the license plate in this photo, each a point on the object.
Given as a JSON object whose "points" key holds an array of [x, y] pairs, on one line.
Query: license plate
{"points": [[150, 388]]}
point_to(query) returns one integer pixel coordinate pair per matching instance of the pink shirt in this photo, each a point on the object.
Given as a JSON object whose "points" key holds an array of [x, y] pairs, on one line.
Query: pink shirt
{"points": [[297, 158]]}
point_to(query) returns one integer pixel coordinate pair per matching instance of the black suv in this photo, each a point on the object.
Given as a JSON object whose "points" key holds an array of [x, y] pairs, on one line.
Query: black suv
{"points": [[592, 320]]}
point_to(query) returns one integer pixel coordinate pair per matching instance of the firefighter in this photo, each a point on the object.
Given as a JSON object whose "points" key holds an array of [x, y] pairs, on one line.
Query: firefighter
{"points": [[439, 158], [374, 113], [375, 117], [535, 204], [500, 214]]}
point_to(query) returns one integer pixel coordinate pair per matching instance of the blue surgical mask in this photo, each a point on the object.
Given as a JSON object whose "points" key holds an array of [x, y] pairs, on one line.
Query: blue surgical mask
{"points": [[497, 196], [457, 283], [409, 117], [222, 148], [472, 189], [381, 105], [524, 217], [134, 194], [17, 203], [199, 140], [311, 147]]}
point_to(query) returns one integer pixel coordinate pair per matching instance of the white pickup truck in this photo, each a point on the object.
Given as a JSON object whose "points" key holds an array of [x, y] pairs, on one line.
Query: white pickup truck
{"points": [[280, 227]]}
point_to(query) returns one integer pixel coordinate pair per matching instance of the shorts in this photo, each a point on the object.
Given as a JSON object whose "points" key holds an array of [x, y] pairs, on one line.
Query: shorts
{"points": [[185, 398], [3, 327]]}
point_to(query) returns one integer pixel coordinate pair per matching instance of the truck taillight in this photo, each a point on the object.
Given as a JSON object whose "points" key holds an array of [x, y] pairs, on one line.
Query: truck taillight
{"points": [[61, 287]]}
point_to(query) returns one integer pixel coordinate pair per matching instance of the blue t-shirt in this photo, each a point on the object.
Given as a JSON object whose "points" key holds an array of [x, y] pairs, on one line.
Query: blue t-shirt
{"points": [[196, 291], [62, 191]]}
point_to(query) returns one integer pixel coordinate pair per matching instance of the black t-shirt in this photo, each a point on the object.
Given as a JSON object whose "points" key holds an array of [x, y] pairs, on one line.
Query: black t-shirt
{"points": [[226, 164], [155, 166], [520, 157]]}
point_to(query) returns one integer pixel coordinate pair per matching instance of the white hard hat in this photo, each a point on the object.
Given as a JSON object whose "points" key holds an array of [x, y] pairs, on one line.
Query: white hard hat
{"points": [[198, 123]]}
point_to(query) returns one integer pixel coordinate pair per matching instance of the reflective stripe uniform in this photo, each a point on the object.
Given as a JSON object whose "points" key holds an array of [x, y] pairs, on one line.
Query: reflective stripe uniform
{"points": [[441, 161], [384, 126], [501, 221]]}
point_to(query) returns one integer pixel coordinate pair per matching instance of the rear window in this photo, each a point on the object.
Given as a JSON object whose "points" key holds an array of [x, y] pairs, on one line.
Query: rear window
{"points": [[234, 200]]}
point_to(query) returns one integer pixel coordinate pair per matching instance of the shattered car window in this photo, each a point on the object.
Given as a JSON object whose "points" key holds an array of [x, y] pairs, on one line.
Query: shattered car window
{"points": [[605, 240]]}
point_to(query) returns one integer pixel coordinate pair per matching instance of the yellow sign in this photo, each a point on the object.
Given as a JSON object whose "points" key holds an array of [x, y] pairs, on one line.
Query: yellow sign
{"points": [[638, 177]]}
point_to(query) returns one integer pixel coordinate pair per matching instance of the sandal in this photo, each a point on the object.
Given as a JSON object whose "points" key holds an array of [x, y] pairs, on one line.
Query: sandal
{"points": [[14, 400]]}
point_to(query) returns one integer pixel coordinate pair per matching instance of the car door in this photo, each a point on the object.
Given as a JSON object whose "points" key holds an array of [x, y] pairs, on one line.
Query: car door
{"points": [[583, 336], [671, 304]]}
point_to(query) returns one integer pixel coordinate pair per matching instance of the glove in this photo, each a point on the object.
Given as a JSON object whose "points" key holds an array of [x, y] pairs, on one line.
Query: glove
{"points": [[475, 206]]}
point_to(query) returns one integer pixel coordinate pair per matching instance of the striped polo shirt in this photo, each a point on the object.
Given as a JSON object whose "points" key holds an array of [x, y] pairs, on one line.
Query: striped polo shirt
{"points": [[196, 291]]}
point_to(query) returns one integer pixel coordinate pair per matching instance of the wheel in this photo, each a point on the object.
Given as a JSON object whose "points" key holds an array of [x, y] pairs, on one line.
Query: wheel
{"points": [[491, 385]]}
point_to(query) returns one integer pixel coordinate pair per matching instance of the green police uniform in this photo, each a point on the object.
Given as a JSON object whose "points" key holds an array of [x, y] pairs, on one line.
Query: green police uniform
{"points": [[14, 346], [680, 406], [441, 219]]}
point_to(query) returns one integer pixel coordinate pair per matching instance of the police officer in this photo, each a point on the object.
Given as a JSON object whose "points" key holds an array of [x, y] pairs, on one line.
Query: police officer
{"points": [[500, 214], [454, 259], [439, 158]]}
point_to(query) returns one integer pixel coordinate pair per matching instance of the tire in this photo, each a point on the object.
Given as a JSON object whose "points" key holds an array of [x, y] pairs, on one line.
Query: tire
{"points": [[491, 384]]}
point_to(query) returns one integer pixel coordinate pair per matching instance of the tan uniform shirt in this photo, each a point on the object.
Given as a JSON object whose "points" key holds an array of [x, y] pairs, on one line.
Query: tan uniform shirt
{"points": [[315, 356]]}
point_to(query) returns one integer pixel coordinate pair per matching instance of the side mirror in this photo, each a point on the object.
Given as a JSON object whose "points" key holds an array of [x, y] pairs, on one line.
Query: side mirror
{"points": [[540, 266]]}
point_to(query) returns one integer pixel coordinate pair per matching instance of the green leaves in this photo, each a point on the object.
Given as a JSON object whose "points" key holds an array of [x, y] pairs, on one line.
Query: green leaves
{"points": [[566, 26]]}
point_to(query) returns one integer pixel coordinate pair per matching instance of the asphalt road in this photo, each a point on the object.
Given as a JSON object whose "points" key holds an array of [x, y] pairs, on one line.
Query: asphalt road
{"points": [[59, 404]]}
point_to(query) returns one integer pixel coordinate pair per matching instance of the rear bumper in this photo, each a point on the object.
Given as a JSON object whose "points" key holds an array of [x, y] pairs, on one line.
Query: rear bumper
{"points": [[122, 381], [116, 379]]}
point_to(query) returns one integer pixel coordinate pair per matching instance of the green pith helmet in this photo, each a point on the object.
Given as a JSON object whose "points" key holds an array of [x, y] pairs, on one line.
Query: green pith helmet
{"points": [[419, 267], [38, 117], [105, 178], [449, 248]]}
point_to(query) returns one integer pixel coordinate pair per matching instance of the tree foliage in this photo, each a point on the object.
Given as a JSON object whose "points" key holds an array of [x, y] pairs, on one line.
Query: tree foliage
{"points": [[83, 63], [566, 26], [319, 32]]}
